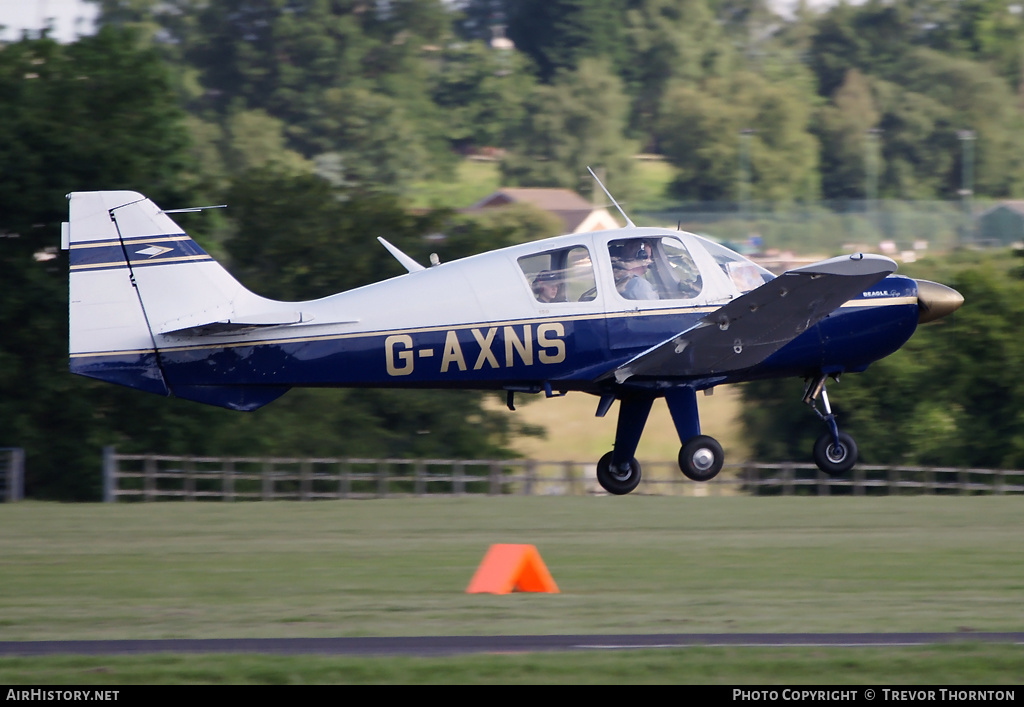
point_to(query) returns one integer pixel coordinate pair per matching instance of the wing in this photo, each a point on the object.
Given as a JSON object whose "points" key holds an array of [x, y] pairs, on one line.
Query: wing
{"points": [[749, 329]]}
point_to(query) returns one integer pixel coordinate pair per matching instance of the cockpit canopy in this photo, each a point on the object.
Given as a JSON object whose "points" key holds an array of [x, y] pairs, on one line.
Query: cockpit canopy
{"points": [[642, 267]]}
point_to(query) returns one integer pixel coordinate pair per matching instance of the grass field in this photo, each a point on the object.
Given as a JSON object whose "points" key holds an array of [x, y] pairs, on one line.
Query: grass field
{"points": [[574, 433], [629, 565]]}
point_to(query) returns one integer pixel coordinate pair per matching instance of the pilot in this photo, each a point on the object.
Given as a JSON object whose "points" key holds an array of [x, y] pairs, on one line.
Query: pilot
{"points": [[630, 260], [546, 286]]}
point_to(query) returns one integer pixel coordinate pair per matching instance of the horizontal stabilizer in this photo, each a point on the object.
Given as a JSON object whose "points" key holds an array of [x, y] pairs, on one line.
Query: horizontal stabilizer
{"points": [[751, 328], [207, 326], [245, 398]]}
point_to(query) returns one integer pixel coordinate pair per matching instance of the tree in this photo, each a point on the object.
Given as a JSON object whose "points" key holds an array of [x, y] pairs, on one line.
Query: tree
{"points": [[297, 237], [845, 129], [560, 34], [576, 122], [668, 40], [96, 114], [700, 133], [481, 93]]}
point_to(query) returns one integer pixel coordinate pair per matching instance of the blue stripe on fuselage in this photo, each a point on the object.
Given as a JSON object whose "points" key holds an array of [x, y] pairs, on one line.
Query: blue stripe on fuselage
{"points": [[570, 353]]}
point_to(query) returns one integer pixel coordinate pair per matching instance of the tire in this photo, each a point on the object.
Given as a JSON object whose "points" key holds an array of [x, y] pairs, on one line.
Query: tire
{"points": [[701, 458], [617, 482], [835, 460]]}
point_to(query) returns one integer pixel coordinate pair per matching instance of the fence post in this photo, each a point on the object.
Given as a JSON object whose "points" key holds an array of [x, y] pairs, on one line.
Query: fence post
{"points": [[344, 479], [228, 480], [459, 477], [494, 479], [268, 481], [188, 469], [149, 469], [17, 482], [305, 480], [420, 474], [382, 480], [14, 471], [109, 474]]}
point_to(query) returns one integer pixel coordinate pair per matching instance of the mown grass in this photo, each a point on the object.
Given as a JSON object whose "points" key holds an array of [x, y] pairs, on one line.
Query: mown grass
{"points": [[961, 664], [400, 567]]}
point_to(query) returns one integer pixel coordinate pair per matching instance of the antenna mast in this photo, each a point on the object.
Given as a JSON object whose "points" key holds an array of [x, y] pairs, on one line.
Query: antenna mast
{"points": [[629, 223]]}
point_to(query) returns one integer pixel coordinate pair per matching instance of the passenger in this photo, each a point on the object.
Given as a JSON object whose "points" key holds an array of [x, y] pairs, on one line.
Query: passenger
{"points": [[547, 286], [630, 260]]}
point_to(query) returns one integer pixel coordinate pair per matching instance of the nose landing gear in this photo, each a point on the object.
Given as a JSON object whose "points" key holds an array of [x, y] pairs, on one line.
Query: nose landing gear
{"points": [[835, 452]]}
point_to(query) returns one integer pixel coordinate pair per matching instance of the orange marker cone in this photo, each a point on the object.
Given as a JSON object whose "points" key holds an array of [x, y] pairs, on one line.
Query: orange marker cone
{"points": [[507, 568]]}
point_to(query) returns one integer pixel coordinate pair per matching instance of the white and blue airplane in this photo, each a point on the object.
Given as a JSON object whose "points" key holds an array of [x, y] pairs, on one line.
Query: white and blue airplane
{"points": [[631, 314]]}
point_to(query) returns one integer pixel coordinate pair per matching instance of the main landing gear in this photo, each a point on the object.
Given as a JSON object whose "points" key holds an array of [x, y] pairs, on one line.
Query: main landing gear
{"points": [[700, 458], [835, 452]]}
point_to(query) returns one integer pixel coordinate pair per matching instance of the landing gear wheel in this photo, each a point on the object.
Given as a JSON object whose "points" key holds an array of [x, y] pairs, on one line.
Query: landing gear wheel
{"points": [[618, 481], [701, 458], [835, 459]]}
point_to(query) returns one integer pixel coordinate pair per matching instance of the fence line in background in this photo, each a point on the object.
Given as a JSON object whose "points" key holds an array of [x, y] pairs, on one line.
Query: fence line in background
{"points": [[12, 474], [150, 477]]}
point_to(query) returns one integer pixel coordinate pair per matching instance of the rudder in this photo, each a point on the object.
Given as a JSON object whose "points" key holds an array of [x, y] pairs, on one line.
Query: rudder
{"points": [[135, 275]]}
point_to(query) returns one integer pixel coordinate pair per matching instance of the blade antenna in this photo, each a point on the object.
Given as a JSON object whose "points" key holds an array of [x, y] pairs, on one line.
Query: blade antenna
{"points": [[629, 223], [193, 209]]}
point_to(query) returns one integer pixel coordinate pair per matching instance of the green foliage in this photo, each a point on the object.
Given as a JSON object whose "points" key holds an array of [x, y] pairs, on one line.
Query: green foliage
{"points": [[299, 237], [481, 92], [849, 148], [576, 122], [702, 128], [96, 114], [924, 96], [560, 34]]}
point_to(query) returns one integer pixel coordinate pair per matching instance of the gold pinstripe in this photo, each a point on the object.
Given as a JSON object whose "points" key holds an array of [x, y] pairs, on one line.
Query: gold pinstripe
{"points": [[872, 303]]}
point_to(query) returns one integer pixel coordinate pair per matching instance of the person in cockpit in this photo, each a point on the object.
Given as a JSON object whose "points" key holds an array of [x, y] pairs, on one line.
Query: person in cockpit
{"points": [[547, 286], [630, 260]]}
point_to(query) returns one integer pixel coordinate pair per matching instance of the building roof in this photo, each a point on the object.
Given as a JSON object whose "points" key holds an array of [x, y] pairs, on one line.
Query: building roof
{"points": [[573, 209], [1011, 204]]}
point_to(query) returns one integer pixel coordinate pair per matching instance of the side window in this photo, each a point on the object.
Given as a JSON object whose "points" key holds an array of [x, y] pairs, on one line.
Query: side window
{"points": [[745, 275], [684, 275], [654, 269], [565, 275]]}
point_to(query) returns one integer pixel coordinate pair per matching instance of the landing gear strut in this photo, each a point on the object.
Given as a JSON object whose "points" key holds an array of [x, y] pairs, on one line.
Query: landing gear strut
{"points": [[835, 452], [700, 458], [618, 471]]}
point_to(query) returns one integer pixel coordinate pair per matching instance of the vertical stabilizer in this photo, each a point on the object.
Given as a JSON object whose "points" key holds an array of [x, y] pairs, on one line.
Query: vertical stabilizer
{"points": [[109, 337], [136, 276]]}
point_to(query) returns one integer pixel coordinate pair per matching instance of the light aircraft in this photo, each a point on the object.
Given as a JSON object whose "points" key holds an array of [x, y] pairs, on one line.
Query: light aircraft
{"points": [[632, 314]]}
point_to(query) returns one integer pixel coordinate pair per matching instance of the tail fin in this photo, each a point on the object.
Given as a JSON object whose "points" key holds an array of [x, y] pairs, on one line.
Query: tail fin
{"points": [[135, 276]]}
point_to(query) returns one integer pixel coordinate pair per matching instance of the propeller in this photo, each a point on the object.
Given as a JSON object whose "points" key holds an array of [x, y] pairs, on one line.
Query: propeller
{"points": [[935, 301]]}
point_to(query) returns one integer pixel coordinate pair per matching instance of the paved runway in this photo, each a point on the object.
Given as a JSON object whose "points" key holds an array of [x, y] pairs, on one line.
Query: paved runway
{"points": [[455, 645]]}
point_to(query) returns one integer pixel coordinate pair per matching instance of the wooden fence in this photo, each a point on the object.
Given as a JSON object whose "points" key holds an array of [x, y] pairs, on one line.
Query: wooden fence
{"points": [[12, 474], [150, 477]]}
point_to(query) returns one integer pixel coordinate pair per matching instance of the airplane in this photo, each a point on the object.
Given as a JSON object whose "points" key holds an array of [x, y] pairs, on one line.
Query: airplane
{"points": [[630, 315]]}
